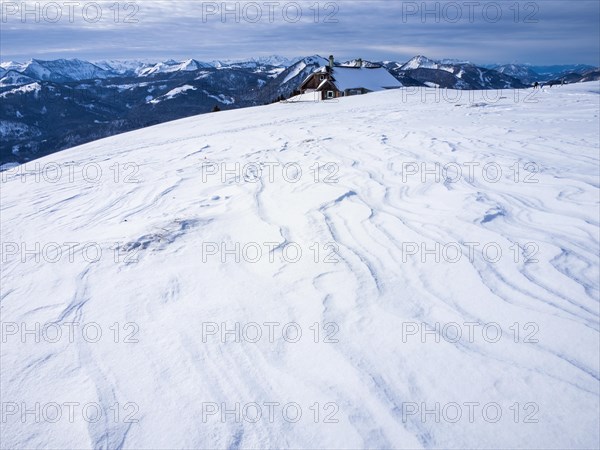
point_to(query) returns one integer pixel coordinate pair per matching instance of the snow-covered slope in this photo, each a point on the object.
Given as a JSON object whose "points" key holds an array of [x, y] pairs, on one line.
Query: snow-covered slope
{"points": [[174, 93], [172, 66], [178, 236], [14, 78], [32, 87], [303, 68]]}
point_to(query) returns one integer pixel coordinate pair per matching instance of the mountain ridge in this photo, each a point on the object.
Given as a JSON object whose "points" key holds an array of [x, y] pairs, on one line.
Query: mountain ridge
{"points": [[124, 95]]}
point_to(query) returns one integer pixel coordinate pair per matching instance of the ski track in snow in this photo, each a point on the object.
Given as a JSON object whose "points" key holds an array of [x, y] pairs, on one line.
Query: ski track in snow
{"points": [[161, 283]]}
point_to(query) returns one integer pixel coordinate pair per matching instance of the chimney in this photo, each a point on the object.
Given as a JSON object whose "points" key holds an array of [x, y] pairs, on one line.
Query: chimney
{"points": [[331, 61], [359, 62]]}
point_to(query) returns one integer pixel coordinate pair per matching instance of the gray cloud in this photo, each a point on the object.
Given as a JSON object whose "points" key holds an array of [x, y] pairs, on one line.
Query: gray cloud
{"points": [[542, 32]]}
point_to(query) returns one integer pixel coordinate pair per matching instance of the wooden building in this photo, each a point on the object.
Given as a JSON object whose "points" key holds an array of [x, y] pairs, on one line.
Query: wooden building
{"points": [[334, 81]]}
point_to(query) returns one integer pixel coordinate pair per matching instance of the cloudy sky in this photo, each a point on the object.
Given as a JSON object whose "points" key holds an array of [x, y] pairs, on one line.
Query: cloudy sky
{"points": [[536, 32]]}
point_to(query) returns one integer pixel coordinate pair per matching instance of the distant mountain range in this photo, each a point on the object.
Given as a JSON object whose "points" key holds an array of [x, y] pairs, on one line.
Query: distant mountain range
{"points": [[51, 105], [422, 71]]}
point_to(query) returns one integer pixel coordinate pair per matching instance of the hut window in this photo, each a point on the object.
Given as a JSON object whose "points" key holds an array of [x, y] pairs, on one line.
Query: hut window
{"points": [[329, 94]]}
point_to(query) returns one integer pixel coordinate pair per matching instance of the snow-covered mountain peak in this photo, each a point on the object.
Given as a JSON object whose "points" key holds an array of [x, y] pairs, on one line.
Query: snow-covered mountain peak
{"points": [[302, 68], [171, 66], [275, 60], [13, 65], [125, 67], [315, 59], [59, 70], [420, 62], [256, 62]]}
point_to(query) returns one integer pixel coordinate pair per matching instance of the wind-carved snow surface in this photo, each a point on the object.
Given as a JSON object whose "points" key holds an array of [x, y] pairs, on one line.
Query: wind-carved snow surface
{"points": [[145, 265]]}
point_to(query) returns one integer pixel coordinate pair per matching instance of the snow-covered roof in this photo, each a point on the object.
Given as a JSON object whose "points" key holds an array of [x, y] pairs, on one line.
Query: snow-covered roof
{"points": [[376, 79], [371, 79]]}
